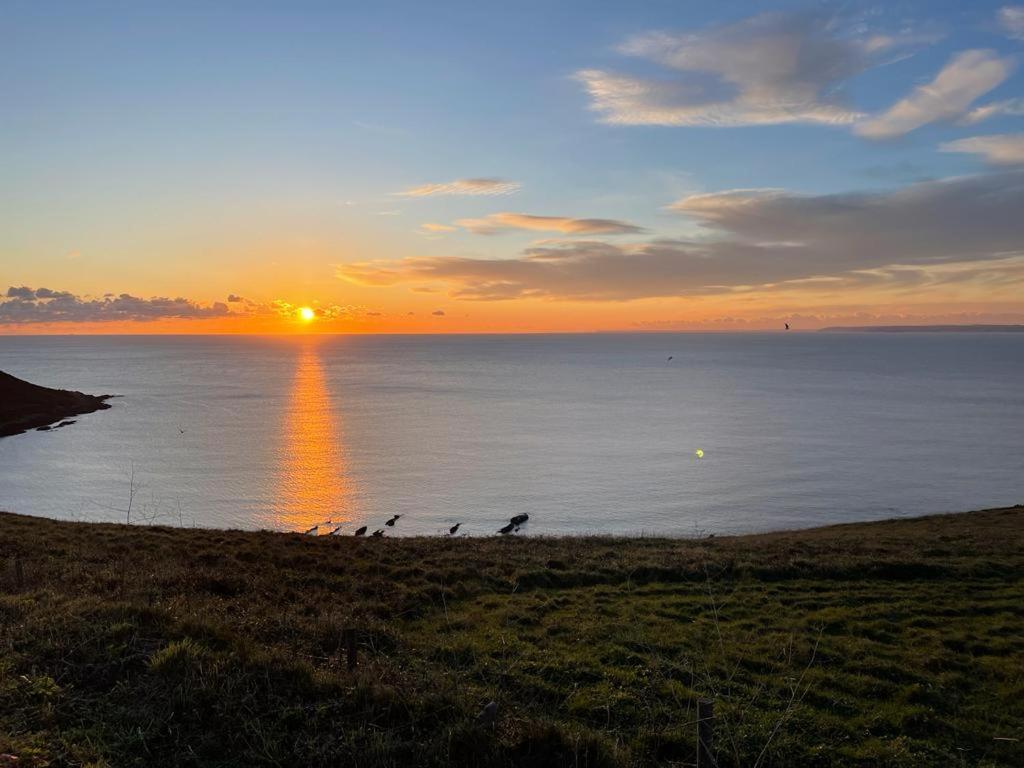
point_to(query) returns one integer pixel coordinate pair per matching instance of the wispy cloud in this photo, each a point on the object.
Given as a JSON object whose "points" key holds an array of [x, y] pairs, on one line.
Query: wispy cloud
{"points": [[965, 77], [760, 239], [770, 69], [998, 149], [44, 305], [503, 222], [1011, 107], [1011, 19], [437, 228], [487, 187]]}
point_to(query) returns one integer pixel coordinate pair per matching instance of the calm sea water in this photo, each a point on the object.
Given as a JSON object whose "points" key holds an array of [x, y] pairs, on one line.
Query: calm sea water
{"points": [[586, 433]]}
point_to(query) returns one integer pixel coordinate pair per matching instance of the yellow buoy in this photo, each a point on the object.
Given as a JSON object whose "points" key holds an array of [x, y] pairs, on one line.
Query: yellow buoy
{"points": [[700, 453]]}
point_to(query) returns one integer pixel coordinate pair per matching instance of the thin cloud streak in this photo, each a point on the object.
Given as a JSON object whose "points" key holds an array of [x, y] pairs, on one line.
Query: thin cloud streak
{"points": [[485, 186], [998, 149], [1009, 107], [967, 76], [496, 223]]}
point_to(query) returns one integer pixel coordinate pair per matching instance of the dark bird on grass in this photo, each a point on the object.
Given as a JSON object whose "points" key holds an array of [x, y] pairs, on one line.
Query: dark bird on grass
{"points": [[787, 326], [312, 531], [454, 529], [391, 523], [360, 531], [519, 519], [379, 532], [488, 715], [507, 529]]}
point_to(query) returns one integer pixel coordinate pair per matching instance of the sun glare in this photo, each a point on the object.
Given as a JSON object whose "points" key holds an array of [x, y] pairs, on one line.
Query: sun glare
{"points": [[306, 314]]}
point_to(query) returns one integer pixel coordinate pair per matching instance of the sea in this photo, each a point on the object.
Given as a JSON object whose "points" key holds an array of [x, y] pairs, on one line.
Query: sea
{"points": [[656, 434]]}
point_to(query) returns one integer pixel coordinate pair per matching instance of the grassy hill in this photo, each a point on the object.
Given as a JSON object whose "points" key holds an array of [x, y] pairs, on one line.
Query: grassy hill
{"points": [[894, 644]]}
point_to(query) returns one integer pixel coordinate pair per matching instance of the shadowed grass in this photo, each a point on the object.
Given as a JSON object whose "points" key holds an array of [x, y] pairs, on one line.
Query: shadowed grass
{"points": [[898, 643]]}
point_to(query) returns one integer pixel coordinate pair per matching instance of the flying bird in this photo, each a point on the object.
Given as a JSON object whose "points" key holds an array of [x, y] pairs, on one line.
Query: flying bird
{"points": [[669, 359], [312, 531], [182, 431], [391, 523], [360, 531], [454, 529]]}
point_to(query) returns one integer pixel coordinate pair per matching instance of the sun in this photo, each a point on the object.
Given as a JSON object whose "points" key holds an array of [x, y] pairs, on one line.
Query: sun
{"points": [[306, 314]]}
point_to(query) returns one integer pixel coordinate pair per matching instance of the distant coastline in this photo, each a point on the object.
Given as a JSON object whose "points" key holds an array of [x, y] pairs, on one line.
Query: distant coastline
{"points": [[25, 406], [923, 329]]}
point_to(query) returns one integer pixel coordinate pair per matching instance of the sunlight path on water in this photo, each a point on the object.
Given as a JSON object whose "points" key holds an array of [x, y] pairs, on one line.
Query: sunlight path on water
{"points": [[312, 479]]}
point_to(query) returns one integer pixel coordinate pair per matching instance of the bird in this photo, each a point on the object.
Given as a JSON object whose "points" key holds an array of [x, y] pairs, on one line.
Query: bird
{"points": [[507, 529], [360, 531], [379, 532], [391, 523], [669, 359], [312, 531], [452, 531], [488, 715], [519, 519], [787, 326], [335, 531], [182, 431]]}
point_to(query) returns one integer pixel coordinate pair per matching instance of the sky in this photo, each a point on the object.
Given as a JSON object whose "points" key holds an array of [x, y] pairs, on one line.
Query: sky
{"points": [[197, 167]]}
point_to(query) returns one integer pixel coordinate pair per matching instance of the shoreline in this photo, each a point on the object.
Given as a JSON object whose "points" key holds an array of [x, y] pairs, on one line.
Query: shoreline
{"points": [[583, 537]]}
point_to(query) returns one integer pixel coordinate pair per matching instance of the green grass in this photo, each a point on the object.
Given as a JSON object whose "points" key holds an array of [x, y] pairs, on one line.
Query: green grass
{"points": [[888, 644]]}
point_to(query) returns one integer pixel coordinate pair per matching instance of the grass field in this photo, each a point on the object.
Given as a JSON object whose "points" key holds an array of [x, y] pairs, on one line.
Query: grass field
{"points": [[892, 644]]}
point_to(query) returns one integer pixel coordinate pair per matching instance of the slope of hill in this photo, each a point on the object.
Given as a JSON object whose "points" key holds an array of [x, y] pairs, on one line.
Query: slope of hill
{"points": [[897, 643]]}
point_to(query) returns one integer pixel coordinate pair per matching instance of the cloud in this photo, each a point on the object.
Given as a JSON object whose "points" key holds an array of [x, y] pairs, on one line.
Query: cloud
{"points": [[502, 222], [234, 298], [965, 77], [1012, 107], [43, 305], [1011, 19], [769, 69], [757, 239], [998, 149], [487, 187]]}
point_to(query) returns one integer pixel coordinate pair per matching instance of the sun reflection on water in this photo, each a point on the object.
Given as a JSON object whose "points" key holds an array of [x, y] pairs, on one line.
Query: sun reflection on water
{"points": [[312, 484]]}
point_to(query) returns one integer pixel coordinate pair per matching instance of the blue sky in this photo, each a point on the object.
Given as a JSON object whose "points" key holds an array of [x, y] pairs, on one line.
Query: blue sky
{"points": [[162, 139]]}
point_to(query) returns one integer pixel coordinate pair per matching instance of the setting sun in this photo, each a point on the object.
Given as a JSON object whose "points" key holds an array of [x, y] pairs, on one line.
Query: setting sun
{"points": [[306, 314]]}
